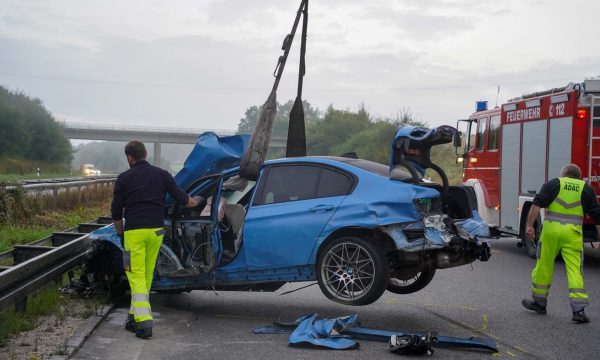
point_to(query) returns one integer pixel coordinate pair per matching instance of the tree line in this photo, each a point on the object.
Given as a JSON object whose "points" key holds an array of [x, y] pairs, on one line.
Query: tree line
{"points": [[335, 131], [329, 132], [29, 132]]}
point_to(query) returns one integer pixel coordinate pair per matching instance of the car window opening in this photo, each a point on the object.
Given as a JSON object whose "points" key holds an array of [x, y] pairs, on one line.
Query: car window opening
{"points": [[191, 231]]}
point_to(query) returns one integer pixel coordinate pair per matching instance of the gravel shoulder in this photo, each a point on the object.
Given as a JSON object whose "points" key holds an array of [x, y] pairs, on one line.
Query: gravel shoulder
{"points": [[56, 334]]}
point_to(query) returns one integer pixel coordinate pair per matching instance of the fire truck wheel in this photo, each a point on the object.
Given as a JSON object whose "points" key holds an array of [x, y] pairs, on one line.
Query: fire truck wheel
{"points": [[531, 245]]}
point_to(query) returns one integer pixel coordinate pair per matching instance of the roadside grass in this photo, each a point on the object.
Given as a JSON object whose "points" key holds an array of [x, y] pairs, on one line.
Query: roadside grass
{"points": [[44, 224], [45, 302], [48, 301]]}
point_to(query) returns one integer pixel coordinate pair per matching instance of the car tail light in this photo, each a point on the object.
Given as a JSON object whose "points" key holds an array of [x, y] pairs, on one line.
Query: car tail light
{"points": [[429, 206]]}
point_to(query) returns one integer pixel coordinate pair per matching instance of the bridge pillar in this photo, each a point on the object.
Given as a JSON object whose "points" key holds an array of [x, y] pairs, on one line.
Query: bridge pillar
{"points": [[156, 154]]}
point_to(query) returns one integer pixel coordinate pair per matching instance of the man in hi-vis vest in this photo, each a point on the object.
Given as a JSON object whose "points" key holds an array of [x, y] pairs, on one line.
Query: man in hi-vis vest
{"points": [[566, 200], [139, 197]]}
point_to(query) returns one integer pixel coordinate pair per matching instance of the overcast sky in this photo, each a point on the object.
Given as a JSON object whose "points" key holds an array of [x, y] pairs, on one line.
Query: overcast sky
{"points": [[202, 63]]}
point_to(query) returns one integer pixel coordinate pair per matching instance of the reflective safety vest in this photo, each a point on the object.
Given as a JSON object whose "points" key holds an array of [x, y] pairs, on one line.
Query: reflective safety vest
{"points": [[566, 208]]}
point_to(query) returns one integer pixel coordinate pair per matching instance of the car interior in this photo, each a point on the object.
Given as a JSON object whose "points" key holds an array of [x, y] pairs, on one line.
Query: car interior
{"points": [[189, 230]]}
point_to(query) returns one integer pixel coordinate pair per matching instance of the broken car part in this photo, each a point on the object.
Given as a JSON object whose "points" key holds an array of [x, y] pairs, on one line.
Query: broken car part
{"points": [[346, 326], [413, 344]]}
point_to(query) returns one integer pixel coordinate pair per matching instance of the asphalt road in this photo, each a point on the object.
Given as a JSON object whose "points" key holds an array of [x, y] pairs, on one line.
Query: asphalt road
{"points": [[481, 301]]}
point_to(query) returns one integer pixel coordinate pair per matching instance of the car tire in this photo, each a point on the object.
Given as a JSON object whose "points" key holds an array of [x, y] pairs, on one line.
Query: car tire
{"points": [[353, 271], [401, 286], [531, 245]]}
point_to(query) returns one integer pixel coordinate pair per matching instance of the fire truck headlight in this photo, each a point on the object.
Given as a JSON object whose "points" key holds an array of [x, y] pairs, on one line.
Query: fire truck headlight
{"points": [[473, 160]]}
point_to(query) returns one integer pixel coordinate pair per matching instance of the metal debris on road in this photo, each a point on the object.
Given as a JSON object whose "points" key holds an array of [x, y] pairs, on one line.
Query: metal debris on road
{"points": [[326, 333]]}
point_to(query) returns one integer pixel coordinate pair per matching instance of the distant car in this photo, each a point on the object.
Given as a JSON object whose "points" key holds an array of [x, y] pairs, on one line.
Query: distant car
{"points": [[355, 226], [89, 170]]}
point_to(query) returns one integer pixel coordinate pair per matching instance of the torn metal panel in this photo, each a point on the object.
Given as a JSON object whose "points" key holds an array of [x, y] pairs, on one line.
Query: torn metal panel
{"points": [[474, 226], [211, 155], [434, 230]]}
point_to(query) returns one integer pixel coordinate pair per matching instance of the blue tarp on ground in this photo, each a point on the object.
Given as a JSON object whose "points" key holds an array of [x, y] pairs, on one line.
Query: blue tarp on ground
{"points": [[324, 332]]}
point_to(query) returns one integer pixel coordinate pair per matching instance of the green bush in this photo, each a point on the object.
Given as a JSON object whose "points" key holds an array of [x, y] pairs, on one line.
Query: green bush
{"points": [[29, 132]]}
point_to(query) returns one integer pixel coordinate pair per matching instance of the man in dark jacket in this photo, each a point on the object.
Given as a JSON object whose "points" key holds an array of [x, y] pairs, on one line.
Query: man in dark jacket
{"points": [[566, 200], [139, 197]]}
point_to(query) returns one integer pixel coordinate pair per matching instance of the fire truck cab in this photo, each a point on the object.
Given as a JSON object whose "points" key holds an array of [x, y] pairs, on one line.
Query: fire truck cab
{"points": [[510, 151]]}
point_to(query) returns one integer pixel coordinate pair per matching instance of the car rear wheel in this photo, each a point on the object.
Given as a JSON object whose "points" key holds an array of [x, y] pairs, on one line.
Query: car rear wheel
{"points": [[410, 283], [352, 271]]}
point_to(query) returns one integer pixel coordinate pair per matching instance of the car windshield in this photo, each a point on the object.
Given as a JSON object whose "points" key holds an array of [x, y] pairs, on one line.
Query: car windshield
{"points": [[373, 167]]}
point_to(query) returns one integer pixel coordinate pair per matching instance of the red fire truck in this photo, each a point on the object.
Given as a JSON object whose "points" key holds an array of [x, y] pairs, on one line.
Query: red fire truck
{"points": [[511, 150]]}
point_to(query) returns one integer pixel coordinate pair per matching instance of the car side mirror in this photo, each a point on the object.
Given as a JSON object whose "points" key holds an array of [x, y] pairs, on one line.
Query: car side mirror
{"points": [[457, 141]]}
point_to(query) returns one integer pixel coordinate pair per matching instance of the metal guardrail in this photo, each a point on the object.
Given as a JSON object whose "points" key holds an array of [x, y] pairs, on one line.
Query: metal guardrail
{"points": [[66, 180], [54, 188], [58, 184], [35, 264]]}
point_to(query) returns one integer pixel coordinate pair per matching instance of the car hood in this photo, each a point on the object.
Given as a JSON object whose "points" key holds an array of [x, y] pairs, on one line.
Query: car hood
{"points": [[413, 144], [211, 155]]}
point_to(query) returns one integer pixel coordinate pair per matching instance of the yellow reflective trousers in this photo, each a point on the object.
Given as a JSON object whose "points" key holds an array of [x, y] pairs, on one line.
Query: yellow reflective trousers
{"points": [[558, 238], [139, 259], [562, 232]]}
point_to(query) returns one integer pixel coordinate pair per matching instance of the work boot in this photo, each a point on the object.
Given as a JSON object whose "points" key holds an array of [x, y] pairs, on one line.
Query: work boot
{"points": [[580, 317], [130, 324], [145, 333], [533, 305]]}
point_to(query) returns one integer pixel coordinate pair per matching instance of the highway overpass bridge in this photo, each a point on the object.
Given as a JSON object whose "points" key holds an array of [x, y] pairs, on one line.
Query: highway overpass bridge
{"points": [[155, 135]]}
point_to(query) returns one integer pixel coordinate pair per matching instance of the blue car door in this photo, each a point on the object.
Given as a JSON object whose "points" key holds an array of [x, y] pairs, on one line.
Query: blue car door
{"points": [[292, 205]]}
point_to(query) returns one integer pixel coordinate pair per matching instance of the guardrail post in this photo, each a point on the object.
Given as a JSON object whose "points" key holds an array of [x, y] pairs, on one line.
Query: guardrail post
{"points": [[21, 305], [54, 198]]}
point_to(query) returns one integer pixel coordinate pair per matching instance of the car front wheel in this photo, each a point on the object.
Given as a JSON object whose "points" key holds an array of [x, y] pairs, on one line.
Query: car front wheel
{"points": [[352, 271]]}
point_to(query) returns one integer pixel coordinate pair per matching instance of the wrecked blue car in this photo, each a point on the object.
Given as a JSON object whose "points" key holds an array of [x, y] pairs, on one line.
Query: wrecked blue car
{"points": [[355, 226]]}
